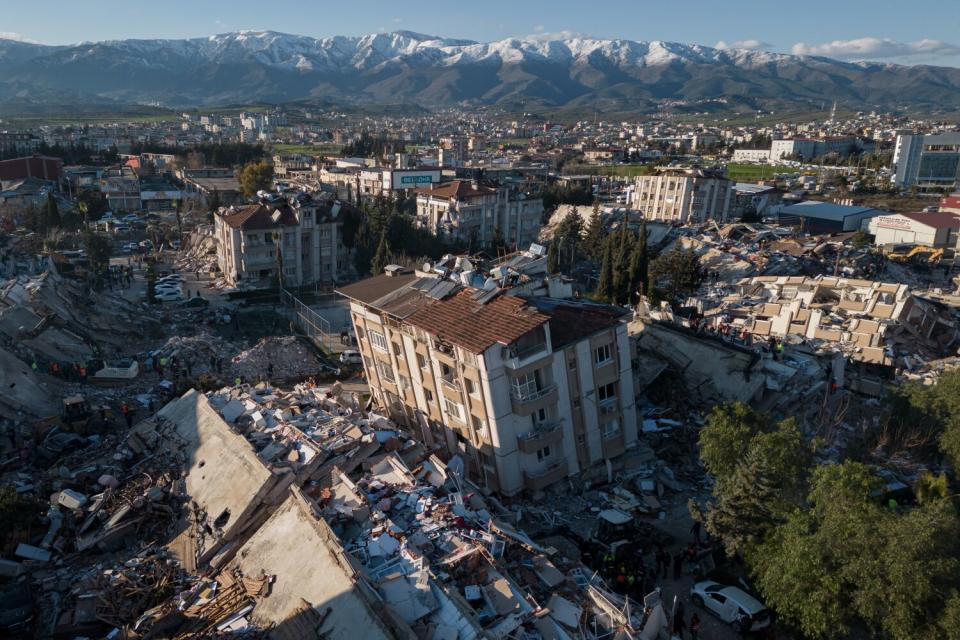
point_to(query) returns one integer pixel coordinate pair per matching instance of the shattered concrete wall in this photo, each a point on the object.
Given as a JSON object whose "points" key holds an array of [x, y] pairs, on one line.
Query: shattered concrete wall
{"points": [[315, 580], [712, 369], [224, 475]]}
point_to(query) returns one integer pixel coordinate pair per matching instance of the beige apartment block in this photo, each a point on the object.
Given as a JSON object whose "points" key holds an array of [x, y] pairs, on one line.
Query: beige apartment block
{"points": [[525, 390], [683, 196]]}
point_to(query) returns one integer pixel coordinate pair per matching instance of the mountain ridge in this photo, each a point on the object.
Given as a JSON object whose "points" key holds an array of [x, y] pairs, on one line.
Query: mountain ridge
{"points": [[404, 66]]}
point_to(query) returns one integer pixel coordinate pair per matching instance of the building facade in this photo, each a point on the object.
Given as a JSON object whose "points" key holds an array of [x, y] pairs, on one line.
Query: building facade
{"points": [[296, 239], [526, 391], [928, 162], [468, 211], [683, 195]]}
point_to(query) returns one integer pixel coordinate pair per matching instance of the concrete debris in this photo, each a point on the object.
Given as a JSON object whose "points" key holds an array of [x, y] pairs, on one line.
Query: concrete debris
{"points": [[276, 358]]}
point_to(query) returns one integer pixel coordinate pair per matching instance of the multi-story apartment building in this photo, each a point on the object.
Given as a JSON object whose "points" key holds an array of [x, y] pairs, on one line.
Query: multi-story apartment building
{"points": [[929, 162], [525, 390], [298, 234], [683, 195], [466, 211], [807, 148]]}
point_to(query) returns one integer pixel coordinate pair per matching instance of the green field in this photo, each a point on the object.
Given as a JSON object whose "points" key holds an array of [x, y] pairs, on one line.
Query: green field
{"points": [[306, 149], [755, 172]]}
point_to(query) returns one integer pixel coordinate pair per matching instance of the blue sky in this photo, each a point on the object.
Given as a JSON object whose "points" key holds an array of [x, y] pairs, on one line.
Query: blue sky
{"points": [[919, 31]]}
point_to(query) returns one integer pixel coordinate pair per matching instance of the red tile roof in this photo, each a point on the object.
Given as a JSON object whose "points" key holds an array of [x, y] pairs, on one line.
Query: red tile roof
{"points": [[935, 220], [467, 323], [457, 189], [257, 216]]}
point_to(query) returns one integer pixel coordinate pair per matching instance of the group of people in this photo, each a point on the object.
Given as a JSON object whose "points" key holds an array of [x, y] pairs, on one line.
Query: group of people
{"points": [[71, 371]]}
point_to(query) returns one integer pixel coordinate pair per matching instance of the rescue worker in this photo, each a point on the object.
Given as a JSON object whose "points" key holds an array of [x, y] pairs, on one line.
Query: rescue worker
{"points": [[127, 415]]}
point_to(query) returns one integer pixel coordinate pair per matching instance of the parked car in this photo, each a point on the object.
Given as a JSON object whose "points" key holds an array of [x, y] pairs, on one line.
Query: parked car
{"points": [[174, 278], [130, 217], [734, 606], [351, 356], [169, 296]]}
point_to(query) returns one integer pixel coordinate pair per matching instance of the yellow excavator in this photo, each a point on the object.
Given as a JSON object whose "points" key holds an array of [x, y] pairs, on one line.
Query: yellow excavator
{"points": [[917, 254]]}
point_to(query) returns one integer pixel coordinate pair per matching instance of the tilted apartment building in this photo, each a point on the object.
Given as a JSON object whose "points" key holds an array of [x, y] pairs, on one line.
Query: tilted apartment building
{"points": [[526, 390], [467, 210], [683, 196], [298, 234]]}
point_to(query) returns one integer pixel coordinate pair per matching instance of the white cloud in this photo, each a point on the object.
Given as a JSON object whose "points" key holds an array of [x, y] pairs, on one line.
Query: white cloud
{"points": [[544, 36], [876, 48], [397, 20], [752, 45], [539, 28], [12, 35]]}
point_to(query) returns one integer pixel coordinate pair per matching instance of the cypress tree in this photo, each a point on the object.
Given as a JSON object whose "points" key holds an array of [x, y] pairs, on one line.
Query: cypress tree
{"points": [[605, 286], [553, 256]]}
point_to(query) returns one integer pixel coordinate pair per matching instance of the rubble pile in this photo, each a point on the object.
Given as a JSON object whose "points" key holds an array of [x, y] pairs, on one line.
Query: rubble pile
{"points": [[288, 357], [202, 351], [200, 256]]}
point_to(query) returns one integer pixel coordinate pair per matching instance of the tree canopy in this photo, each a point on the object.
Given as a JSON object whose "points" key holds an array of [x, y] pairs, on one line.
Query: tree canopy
{"points": [[255, 176]]}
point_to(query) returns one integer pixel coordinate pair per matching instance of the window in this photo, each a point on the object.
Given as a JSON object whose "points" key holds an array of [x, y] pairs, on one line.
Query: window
{"points": [[404, 382], [358, 329], [454, 409], [428, 395], [471, 388], [290, 271], [397, 349], [478, 424], [268, 237], [543, 454], [538, 417], [602, 355], [610, 429], [378, 340], [527, 385], [572, 365], [576, 403], [607, 393], [386, 373], [421, 361]]}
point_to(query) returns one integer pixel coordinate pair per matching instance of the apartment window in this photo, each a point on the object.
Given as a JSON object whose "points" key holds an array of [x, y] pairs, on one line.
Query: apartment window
{"points": [[478, 424], [428, 395], [386, 373], [268, 237], [290, 271], [358, 329], [421, 361], [607, 393], [576, 403], [572, 365], [404, 382], [397, 350], [471, 388], [603, 355], [378, 340], [454, 409], [538, 417], [610, 428], [543, 454], [526, 385]]}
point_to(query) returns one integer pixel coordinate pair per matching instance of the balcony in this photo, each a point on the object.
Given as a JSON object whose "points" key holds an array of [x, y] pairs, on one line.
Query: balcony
{"points": [[537, 480], [526, 403], [516, 356], [546, 434]]}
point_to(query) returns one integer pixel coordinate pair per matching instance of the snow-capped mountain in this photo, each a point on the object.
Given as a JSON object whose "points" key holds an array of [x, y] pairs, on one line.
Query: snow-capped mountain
{"points": [[410, 67]]}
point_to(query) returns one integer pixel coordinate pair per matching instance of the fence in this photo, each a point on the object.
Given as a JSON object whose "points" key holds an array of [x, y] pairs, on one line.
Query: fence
{"points": [[313, 325]]}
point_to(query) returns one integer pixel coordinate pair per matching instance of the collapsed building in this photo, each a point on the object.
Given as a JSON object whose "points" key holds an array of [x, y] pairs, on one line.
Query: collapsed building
{"points": [[872, 322]]}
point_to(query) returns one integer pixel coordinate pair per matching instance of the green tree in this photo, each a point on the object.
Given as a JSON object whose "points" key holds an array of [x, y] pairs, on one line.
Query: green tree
{"points": [[51, 213], [605, 284], [621, 265], [675, 274], [639, 264], [254, 177], [99, 248], [726, 436], [594, 234], [382, 257], [553, 256]]}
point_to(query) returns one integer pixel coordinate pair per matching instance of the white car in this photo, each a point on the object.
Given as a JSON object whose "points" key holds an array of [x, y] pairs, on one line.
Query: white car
{"points": [[168, 296], [173, 277], [351, 356], [734, 606], [130, 217]]}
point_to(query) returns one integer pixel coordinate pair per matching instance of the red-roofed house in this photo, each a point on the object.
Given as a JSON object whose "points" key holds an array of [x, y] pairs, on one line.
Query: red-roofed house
{"points": [[298, 234], [468, 211]]}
